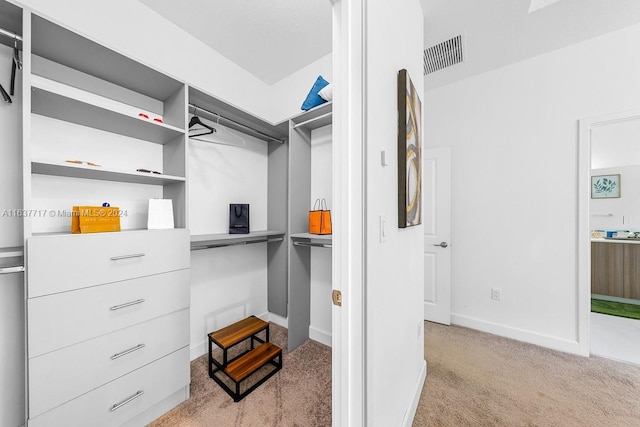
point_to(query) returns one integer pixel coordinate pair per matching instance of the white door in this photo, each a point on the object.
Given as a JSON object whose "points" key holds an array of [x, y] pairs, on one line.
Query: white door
{"points": [[437, 232]]}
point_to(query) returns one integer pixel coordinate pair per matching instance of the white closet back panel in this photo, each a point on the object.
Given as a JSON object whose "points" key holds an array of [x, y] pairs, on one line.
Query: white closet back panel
{"points": [[11, 159], [223, 174]]}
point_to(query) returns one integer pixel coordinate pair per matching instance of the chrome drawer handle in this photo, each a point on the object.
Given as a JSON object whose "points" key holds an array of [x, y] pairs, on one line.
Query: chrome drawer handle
{"points": [[116, 258], [127, 304], [124, 353], [124, 402]]}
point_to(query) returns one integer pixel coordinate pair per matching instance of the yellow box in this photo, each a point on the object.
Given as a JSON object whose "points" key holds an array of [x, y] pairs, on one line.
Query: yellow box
{"points": [[95, 219]]}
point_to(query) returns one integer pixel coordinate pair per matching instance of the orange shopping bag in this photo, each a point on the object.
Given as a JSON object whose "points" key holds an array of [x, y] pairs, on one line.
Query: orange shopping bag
{"points": [[320, 219]]}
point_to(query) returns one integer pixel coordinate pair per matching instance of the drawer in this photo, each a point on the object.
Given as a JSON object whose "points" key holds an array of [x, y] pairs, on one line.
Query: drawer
{"points": [[58, 263], [120, 400], [90, 364], [60, 320]]}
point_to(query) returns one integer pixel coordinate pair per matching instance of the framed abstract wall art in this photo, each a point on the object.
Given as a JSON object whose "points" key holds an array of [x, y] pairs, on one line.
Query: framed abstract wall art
{"points": [[409, 153]]}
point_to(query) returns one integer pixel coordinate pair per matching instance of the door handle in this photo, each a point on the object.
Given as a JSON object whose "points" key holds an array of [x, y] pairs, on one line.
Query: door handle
{"points": [[442, 244]]}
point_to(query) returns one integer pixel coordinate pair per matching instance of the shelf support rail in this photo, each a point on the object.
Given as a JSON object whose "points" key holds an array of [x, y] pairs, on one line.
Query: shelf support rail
{"points": [[217, 116], [243, 242]]}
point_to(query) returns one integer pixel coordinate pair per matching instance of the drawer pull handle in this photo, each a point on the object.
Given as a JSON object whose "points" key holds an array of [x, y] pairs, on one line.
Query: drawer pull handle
{"points": [[127, 304], [116, 258], [124, 402], [124, 353]]}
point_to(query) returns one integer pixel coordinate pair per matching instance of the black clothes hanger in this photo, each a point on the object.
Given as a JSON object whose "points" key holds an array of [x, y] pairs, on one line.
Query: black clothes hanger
{"points": [[15, 64], [5, 95], [195, 121]]}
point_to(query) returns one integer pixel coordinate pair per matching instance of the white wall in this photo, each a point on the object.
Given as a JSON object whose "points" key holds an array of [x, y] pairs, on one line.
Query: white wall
{"points": [[514, 139], [615, 144], [394, 272]]}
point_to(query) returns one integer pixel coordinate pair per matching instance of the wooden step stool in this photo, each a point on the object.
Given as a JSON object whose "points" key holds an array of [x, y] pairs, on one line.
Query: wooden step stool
{"points": [[247, 363]]}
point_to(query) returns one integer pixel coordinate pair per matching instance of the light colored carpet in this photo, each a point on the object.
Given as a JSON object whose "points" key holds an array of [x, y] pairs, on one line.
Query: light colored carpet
{"points": [[298, 395], [473, 379], [477, 379]]}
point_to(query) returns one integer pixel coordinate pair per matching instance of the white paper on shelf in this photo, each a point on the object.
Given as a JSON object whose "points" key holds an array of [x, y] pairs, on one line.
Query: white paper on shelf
{"points": [[160, 214]]}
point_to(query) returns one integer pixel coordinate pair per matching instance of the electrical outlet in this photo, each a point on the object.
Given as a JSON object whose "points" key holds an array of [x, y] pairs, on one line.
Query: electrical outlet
{"points": [[496, 294]]}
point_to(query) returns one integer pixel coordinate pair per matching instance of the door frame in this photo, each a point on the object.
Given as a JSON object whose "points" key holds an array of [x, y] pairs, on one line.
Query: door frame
{"points": [[348, 242], [584, 230]]}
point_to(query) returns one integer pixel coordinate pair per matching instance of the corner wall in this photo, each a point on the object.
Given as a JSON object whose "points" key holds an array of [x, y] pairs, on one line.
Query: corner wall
{"points": [[514, 139]]}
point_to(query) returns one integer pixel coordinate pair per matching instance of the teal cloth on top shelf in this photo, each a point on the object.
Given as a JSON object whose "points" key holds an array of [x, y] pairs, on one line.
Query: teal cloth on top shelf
{"points": [[313, 98]]}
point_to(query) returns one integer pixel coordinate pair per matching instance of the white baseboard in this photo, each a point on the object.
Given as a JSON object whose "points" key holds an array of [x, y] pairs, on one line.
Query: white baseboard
{"points": [[410, 414], [278, 320], [320, 336], [198, 350], [547, 341]]}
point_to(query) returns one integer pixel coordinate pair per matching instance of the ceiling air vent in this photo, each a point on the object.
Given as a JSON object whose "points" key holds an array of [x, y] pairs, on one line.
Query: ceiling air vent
{"points": [[443, 55]]}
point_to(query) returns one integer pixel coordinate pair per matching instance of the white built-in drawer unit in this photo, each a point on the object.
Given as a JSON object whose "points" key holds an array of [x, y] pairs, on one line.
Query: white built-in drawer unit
{"points": [[64, 262], [118, 401], [54, 319], [62, 375], [107, 325]]}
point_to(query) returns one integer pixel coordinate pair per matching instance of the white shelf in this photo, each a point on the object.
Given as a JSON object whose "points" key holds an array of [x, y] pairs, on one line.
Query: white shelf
{"points": [[62, 102], [11, 252], [315, 240], [94, 172], [207, 241], [11, 260], [315, 118]]}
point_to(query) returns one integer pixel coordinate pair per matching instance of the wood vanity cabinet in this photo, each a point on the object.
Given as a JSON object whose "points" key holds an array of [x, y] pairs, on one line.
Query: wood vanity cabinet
{"points": [[615, 269], [631, 271], [607, 269]]}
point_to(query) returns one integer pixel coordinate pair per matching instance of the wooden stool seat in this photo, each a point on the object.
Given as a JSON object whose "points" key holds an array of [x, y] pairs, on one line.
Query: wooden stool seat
{"points": [[237, 332], [245, 364], [250, 362]]}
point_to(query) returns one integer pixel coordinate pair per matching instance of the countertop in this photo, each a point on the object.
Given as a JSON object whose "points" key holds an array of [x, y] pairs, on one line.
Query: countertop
{"points": [[616, 240]]}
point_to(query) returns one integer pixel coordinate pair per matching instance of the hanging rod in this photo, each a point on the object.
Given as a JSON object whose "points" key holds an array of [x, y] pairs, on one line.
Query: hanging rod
{"points": [[8, 270], [219, 117], [10, 34], [297, 125], [242, 242], [317, 245]]}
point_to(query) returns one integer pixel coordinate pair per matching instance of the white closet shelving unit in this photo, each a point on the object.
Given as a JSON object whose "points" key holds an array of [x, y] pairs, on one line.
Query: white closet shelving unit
{"points": [[301, 242], [93, 117], [276, 139], [11, 232]]}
